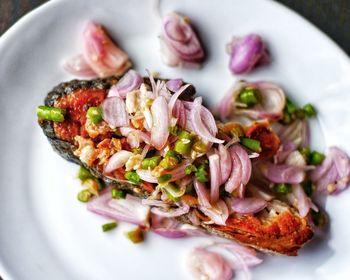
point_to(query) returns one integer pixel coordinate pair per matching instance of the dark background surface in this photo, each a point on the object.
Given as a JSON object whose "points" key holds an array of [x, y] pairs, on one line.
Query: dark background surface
{"points": [[331, 16]]}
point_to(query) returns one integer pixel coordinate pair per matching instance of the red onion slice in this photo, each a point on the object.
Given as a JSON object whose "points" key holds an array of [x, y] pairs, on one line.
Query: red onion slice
{"points": [[170, 213], [160, 128], [249, 205], [202, 193], [297, 132], [175, 96], [218, 212], [117, 160], [246, 53], [245, 162], [300, 200], [283, 173], [225, 163], [179, 112], [235, 178], [181, 40], [333, 175], [128, 210], [114, 112], [144, 136], [78, 66], [174, 84], [129, 82], [102, 55], [172, 228], [198, 125], [215, 177], [205, 264]]}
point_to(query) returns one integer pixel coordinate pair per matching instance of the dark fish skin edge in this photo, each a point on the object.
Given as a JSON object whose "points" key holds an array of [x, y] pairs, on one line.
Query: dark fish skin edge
{"points": [[65, 149]]}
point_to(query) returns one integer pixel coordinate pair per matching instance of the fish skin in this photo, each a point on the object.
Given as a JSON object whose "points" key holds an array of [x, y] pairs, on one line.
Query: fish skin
{"points": [[245, 229]]}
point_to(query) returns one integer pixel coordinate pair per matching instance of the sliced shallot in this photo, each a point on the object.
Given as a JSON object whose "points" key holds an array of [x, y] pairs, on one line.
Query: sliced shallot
{"points": [[218, 212], [129, 82], [172, 212], [160, 129], [117, 160], [248, 205], [215, 177], [129, 210], [114, 112], [77, 65]]}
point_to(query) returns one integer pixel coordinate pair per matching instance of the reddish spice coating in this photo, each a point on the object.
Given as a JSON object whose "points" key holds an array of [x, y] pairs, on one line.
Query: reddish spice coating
{"points": [[285, 233], [76, 105], [269, 141]]}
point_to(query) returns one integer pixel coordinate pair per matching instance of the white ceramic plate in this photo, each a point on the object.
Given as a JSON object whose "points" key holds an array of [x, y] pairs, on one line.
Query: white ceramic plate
{"points": [[45, 233]]}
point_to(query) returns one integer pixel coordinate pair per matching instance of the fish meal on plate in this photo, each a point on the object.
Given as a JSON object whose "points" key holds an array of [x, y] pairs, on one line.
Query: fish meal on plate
{"points": [[151, 154]]}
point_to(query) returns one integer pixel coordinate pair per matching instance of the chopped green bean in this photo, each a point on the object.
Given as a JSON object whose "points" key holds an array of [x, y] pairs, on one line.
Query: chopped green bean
{"points": [[168, 162], [283, 188], [249, 96], [84, 196], [201, 174], [109, 226], [309, 110], [189, 169], [185, 135], [251, 144], [84, 174], [94, 114], [133, 177], [150, 162], [118, 194], [164, 178], [183, 146], [290, 106], [316, 158], [174, 130], [174, 154], [51, 113]]}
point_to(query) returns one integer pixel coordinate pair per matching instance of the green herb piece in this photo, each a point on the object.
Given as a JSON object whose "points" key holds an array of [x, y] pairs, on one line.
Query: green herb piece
{"points": [[308, 188], [94, 114], [189, 169], [133, 177], [201, 174], [118, 194], [249, 96], [283, 188], [150, 162], [136, 235], [309, 110], [251, 144], [51, 113], [200, 147], [84, 196], [174, 154], [316, 158], [109, 226], [164, 178], [319, 218], [84, 174]]}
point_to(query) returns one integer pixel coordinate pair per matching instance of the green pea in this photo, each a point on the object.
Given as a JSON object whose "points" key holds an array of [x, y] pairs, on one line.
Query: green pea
{"points": [[94, 114]]}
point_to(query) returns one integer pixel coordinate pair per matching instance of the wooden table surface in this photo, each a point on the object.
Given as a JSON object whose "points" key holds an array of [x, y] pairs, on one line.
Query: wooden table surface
{"points": [[331, 16]]}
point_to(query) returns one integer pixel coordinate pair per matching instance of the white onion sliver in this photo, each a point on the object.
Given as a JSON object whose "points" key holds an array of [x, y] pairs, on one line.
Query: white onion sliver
{"points": [[114, 112], [146, 176], [77, 65], [184, 209], [215, 177], [202, 193], [218, 212], [249, 205], [117, 160], [225, 163], [160, 128]]}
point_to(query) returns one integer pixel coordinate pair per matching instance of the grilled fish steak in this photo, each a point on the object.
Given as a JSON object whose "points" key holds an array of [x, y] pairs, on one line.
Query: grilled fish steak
{"points": [[277, 229]]}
